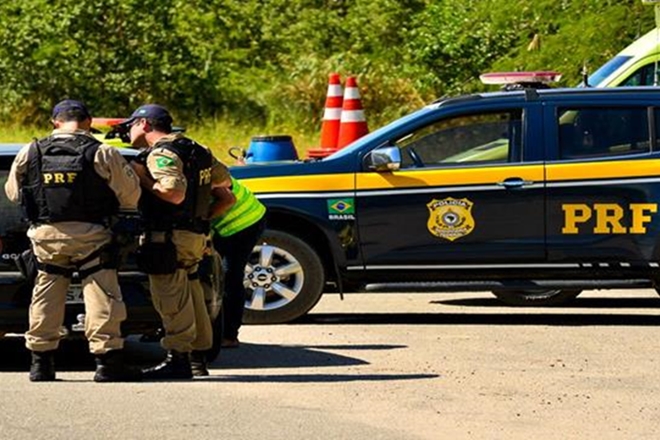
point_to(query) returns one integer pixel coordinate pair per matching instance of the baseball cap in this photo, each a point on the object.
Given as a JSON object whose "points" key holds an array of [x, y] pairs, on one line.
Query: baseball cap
{"points": [[70, 104], [150, 111]]}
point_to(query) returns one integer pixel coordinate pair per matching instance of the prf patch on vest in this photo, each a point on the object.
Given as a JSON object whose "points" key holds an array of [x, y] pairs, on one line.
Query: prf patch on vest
{"points": [[59, 178], [450, 218], [205, 176], [607, 218]]}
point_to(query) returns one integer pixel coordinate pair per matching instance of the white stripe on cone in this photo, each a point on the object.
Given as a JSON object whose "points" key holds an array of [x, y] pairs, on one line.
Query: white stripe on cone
{"points": [[353, 116], [334, 90], [351, 93], [332, 114]]}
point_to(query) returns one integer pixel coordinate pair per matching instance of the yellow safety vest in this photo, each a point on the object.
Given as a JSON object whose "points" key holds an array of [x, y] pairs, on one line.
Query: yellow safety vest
{"points": [[246, 211]]}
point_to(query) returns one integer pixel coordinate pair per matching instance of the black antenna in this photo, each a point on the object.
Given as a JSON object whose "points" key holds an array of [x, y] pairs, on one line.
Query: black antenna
{"points": [[585, 75]]}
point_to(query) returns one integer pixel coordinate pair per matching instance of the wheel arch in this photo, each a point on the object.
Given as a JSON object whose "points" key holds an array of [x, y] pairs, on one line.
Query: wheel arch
{"points": [[311, 233]]}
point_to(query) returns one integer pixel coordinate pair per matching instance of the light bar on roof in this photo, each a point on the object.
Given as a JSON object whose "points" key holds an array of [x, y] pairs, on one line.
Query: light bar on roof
{"points": [[503, 78]]}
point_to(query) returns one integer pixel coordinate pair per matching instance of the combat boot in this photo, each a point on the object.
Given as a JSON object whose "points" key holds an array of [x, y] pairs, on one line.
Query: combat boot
{"points": [[110, 367], [175, 366], [42, 368], [198, 363]]}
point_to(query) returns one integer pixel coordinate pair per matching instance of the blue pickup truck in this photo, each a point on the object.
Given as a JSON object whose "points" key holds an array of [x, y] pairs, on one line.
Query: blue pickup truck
{"points": [[533, 195]]}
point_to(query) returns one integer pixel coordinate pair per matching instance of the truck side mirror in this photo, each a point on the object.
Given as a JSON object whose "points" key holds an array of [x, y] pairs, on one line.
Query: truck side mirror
{"points": [[383, 159]]}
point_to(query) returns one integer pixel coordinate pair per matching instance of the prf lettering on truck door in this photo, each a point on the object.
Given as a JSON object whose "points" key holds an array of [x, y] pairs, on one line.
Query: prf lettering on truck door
{"points": [[610, 218]]}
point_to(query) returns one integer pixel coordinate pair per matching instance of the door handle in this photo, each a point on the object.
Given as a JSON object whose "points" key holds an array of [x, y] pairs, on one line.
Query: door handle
{"points": [[515, 182]]}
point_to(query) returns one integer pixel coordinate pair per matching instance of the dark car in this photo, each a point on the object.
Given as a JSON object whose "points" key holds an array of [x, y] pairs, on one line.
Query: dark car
{"points": [[532, 194], [15, 291]]}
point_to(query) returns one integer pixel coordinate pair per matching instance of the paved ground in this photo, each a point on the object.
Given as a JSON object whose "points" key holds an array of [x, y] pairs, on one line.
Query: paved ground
{"points": [[379, 367]]}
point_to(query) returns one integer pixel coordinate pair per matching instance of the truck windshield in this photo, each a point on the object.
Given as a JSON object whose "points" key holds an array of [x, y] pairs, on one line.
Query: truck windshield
{"points": [[596, 78]]}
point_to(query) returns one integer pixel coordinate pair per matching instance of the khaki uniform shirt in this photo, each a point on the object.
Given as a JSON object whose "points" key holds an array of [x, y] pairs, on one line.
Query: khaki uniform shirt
{"points": [[108, 163], [166, 167]]}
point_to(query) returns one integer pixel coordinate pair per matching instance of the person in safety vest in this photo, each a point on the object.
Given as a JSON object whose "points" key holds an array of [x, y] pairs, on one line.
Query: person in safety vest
{"points": [[236, 230], [70, 185], [177, 176]]}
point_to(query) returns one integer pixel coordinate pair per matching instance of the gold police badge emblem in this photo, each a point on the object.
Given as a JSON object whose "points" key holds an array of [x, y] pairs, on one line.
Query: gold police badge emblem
{"points": [[450, 218]]}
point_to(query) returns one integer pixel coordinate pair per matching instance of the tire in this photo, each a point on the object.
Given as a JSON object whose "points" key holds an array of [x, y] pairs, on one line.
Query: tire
{"points": [[284, 279], [537, 297], [212, 278]]}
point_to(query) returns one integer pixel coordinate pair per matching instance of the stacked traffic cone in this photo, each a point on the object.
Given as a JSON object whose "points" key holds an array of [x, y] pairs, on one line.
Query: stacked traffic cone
{"points": [[353, 124], [331, 118], [332, 113]]}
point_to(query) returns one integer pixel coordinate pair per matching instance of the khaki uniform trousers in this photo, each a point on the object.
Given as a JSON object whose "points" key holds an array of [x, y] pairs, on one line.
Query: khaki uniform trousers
{"points": [[104, 307], [180, 301]]}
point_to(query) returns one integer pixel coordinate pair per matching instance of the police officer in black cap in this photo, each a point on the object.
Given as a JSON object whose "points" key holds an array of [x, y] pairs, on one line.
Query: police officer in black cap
{"points": [[177, 176], [69, 185]]}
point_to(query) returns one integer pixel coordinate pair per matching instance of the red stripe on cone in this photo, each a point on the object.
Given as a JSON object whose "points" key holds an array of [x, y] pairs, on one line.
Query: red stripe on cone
{"points": [[332, 112], [353, 124]]}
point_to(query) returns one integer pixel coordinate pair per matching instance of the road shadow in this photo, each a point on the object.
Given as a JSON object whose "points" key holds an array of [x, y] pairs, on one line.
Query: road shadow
{"points": [[74, 355], [253, 356], [313, 378], [519, 318], [578, 303]]}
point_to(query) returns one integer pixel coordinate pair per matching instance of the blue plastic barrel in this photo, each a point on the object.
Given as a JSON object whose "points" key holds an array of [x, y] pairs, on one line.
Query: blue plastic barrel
{"points": [[270, 149]]}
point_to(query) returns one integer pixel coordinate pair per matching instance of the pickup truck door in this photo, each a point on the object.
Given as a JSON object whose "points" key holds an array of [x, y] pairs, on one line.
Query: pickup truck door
{"points": [[469, 192], [602, 183]]}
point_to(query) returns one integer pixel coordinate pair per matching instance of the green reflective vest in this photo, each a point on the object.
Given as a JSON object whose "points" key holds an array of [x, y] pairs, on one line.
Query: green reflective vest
{"points": [[246, 211]]}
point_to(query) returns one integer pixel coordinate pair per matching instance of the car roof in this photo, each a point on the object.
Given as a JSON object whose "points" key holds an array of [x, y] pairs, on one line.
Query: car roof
{"points": [[641, 92]]}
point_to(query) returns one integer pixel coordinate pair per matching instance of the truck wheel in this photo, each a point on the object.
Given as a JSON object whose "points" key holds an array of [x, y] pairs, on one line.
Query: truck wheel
{"points": [[536, 297], [211, 276], [284, 279]]}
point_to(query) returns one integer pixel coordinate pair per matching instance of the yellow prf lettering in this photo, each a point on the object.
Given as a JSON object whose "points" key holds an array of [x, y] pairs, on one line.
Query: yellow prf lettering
{"points": [[205, 176], [639, 218], [47, 178], [574, 214], [608, 219]]}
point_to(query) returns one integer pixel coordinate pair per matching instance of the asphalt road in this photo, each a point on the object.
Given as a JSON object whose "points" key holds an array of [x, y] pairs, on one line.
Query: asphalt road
{"points": [[377, 366]]}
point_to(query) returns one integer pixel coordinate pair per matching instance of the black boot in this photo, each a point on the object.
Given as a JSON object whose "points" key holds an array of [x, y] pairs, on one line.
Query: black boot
{"points": [[42, 368], [175, 366], [110, 367], [198, 363]]}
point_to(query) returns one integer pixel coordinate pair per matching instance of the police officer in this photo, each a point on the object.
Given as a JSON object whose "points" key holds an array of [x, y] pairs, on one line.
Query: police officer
{"points": [[69, 185], [236, 230], [177, 176]]}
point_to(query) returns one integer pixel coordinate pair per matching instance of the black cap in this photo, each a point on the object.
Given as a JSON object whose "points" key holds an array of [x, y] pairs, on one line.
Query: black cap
{"points": [[70, 104], [150, 111]]}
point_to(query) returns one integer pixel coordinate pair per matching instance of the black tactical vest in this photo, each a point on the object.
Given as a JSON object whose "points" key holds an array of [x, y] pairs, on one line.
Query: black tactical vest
{"points": [[61, 184], [192, 213]]}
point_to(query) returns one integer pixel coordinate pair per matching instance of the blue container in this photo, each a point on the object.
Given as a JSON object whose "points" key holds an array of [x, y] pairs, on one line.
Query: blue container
{"points": [[270, 149]]}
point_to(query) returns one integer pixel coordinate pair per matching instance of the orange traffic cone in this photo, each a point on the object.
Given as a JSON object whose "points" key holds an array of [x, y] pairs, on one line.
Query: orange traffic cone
{"points": [[353, 124], [332, 113]]}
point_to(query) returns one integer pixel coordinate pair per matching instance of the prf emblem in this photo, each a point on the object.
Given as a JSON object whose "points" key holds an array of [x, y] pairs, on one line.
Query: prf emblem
{"points": [[450, 218], [607, 218]]}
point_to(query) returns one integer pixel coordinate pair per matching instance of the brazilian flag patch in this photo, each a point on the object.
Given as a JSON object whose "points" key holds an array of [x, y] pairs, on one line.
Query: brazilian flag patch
{"points": [[341, 209], [162, 162]]}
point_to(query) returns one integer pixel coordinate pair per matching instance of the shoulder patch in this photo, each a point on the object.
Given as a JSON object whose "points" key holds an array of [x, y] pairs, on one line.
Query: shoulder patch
{"points": [[162, 162]]}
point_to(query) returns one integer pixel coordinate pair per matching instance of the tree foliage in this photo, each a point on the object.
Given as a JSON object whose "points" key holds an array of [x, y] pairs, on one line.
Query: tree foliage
{"points": [[266, 61]]}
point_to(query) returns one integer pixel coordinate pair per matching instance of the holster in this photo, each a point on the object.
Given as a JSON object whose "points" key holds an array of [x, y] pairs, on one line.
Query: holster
{"points": [[156, 254], [26, 263]]}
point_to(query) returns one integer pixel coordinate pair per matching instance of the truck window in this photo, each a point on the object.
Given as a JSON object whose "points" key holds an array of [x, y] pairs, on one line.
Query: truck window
{"points": [[603, 132], [477, 138]]}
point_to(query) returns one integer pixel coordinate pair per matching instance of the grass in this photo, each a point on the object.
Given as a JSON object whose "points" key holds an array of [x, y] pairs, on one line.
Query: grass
{"points": [[218, 135]]}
